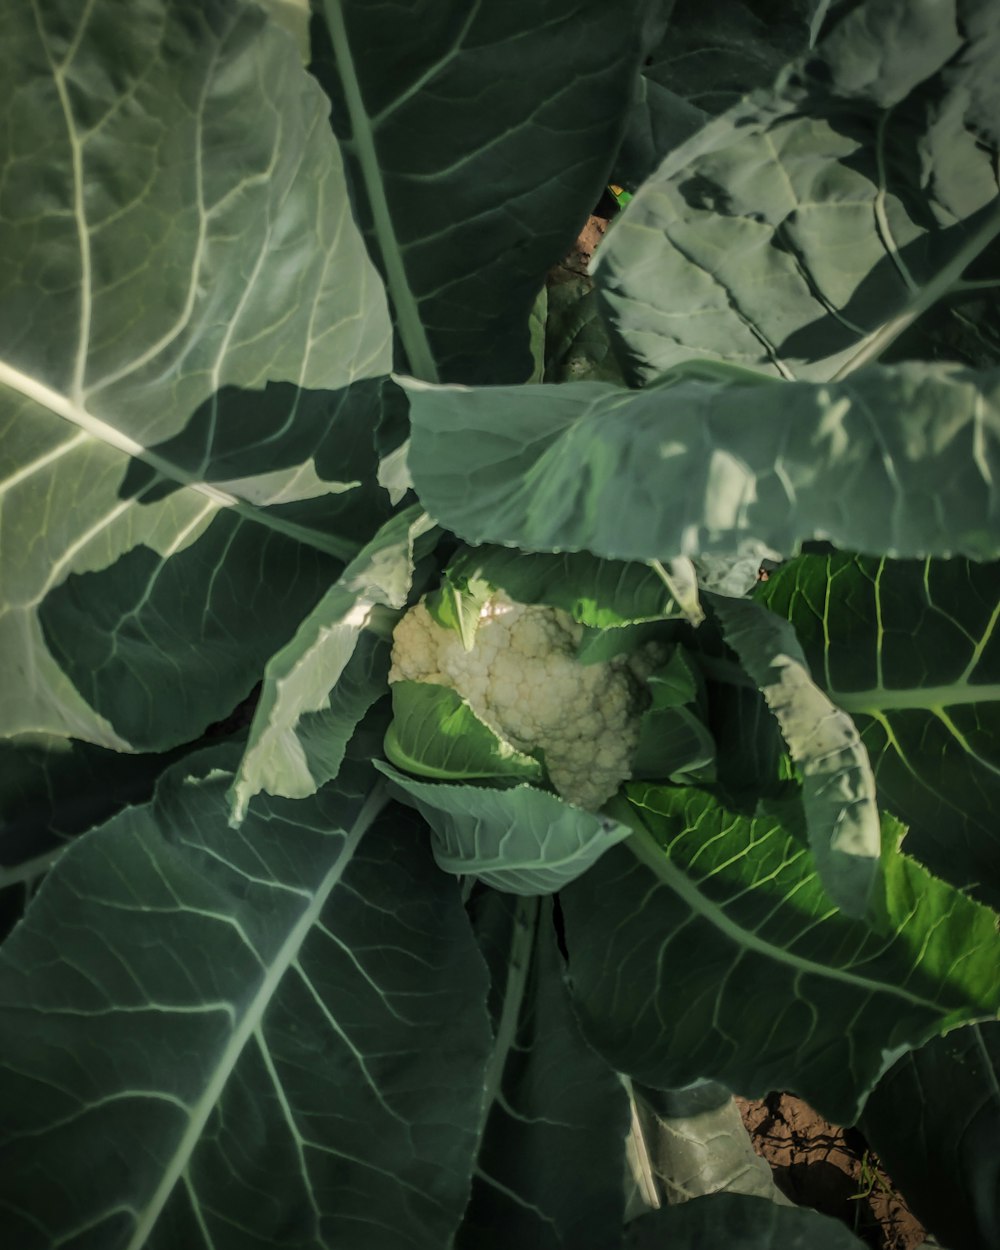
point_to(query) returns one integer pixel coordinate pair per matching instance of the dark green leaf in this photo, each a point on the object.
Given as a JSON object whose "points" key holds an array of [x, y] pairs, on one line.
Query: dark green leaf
{"points": [[934, 1119], [270, 1036], [553, 1142], [737, 1222], [478, 138]]}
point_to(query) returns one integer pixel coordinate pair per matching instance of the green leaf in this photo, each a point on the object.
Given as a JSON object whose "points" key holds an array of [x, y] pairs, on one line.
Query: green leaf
{"points": [[600, 593], [473, 161], [536, 330], [703, 1151], [707, 937], [239, 1052], [144, 296], [520, 841], [457, 604], [911, 649], [838, 788], [934, 1119], [319, 686], [674, 741], [577, 343], [556, 1114], [435, 733], [899, 460], [808, 227], [738, 1223], [714, 52]]}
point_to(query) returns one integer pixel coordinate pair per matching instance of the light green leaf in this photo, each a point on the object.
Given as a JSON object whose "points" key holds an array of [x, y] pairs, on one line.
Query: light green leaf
{"points": [[899, 460], [704, 1151], [708, 935], [536, 330], [911, 650], [600, 593], [520, 841], [458, 604], [435, 733], [807, 228], [331, 672], [472, 160], [838, 787], [555, 1112], [239, 1048], [141, 300]]}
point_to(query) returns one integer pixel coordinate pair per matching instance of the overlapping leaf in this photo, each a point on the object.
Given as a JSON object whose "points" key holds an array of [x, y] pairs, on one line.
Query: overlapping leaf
{"points": [[222, 1046], [805, 229], [901, 460], [318, 687], [555, 1112], [838, 787], [478, 136], [709, 950], [219, 254], [911, 649]]}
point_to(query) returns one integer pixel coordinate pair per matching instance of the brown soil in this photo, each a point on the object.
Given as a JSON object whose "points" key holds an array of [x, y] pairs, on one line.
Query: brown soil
{"points": [[820, 1165], [575, 264]]}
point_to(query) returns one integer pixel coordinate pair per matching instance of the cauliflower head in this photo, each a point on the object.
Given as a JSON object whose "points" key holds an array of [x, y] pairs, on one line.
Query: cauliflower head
{"points": [[522, 679]]}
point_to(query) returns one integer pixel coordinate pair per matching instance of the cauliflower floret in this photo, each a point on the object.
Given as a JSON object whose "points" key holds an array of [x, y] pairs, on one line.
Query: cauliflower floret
{"points": [[523, 679]]}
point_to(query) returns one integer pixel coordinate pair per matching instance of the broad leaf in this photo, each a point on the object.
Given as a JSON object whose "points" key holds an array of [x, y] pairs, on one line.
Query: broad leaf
{"points": [[707, 938], [53, 790], [520, 841], [912, 651], [934, 1119], [219, 254], [319, 686], [901, 460], [838, 787], [224, 1047], [807, 228], [556, 1113], [478, 138]]}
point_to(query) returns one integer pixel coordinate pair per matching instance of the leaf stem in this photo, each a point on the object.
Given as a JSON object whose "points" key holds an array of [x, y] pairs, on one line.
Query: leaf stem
{"points": [[411, 329], [518, 967], [944, 281]]}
